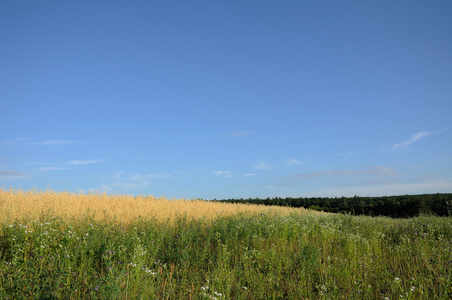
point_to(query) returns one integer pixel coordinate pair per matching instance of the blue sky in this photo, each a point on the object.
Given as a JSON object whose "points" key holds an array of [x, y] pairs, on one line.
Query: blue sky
{"points": [[226, 99]]}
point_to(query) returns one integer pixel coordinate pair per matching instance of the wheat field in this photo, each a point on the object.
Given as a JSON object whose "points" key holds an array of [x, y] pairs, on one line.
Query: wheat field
{"points": [[22, 205]]}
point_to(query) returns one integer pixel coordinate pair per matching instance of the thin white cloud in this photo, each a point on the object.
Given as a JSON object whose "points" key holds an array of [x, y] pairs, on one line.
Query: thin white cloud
{"points": [[85, 162], [294, 162], [262, 165], [150, 176], [249, 174], [415, 137], [239, 133], [325, 173], [50, 169], [125, 185], [349, 153], [15, 141], [380, 170], [10, 174], [389, 189], [54, 142], [120, 181], [22, 141], [226, 174], [376, 170], [146, 179]]}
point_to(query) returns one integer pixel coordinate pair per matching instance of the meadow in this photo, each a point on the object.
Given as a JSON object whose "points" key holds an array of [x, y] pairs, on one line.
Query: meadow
{"points": [[76, 246]]}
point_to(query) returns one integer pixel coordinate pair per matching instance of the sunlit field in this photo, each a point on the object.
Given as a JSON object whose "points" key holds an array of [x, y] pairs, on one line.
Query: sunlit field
{"points": [[76, 246], [22, 205]]}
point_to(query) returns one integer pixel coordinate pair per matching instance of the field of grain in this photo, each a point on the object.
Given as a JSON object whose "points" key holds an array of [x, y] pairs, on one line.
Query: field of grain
{"points": [[19, 204], [66, 246]]}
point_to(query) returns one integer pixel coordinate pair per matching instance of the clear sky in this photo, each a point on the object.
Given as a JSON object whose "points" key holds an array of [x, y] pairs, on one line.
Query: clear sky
{"points": [[226, 99]]}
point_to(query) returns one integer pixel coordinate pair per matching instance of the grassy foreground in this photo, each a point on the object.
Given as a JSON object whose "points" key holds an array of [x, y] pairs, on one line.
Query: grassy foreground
{"points": [[245, 255]]}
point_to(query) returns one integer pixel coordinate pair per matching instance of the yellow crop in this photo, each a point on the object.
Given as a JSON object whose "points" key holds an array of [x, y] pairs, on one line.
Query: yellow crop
{"points": [[18, 204]]}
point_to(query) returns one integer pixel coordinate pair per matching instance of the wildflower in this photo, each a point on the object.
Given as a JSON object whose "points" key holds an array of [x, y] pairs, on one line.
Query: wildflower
{"points": [[397, 279], [150, 272]]}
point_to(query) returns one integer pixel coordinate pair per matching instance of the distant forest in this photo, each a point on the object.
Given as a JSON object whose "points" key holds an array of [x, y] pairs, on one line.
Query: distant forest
{"points": [[405, 206]]}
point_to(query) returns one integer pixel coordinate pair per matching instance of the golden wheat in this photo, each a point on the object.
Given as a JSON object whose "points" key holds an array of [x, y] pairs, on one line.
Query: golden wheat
{"points": [[20, 205]]}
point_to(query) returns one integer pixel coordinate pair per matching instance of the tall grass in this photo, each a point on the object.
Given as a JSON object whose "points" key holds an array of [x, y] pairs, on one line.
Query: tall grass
{"points": [[232, 256]]}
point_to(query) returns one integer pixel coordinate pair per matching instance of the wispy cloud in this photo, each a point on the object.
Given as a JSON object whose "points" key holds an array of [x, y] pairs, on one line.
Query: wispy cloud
{"points": [[5, 174], [15, 141], [121, 181], [415, 137], [380, 170], [125, 185], [23, 141], [146, 179], [239, 133], [85, 162], [294, 162], [50, 169], [249, 174], [226, 174], [376, 170], [387, 189], [325, 173], [262, 165], [349, 153], [54, 142]]}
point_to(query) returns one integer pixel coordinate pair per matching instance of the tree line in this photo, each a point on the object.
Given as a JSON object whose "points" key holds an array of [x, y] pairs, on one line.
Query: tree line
{"points": [[402, 206]]}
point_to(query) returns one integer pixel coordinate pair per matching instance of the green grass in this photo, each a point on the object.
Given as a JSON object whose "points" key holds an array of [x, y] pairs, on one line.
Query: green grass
{"points": [[236, 257]]}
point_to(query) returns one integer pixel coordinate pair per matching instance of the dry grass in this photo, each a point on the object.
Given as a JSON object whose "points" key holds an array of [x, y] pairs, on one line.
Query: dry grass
{"points": [[20, 205]]}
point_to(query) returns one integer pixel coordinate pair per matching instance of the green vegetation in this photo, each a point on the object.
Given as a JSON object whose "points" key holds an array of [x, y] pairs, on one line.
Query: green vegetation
{"points": [[404, 206], [232, 257]]}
